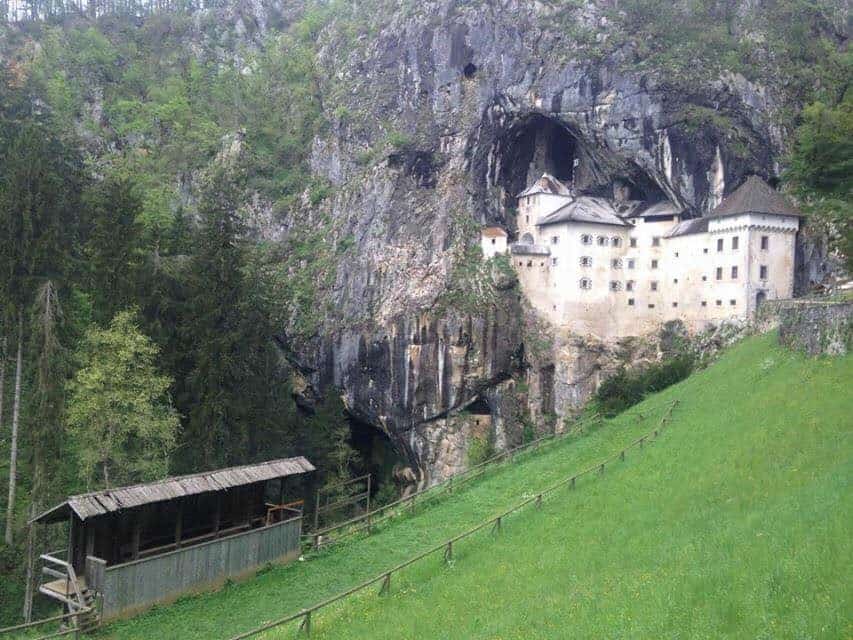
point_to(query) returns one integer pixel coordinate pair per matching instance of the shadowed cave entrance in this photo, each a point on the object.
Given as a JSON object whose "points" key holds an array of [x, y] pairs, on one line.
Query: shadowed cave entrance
{"points": [[528, 146], [379, 457]]}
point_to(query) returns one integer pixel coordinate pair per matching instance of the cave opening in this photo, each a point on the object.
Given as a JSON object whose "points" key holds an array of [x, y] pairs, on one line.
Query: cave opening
{"points": [[470, 70], [535, 144], [531, 147], [378, 456]]}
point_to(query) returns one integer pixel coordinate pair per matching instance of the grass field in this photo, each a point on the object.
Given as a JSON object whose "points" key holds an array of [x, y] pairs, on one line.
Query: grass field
{"points": [[734, 524]]}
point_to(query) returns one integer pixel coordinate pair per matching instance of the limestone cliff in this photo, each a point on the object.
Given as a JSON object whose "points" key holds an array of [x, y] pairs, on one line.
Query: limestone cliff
{"points": [[450, 110]]}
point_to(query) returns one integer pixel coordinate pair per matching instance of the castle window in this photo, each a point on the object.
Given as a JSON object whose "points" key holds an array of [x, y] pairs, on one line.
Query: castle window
{"points": [[553, 262], [586, 283], [654, 285], [630, 302], [651, 306], [705, 250], [735, 241], [719, 244], [586, 261], [631, 263], [656, 241], [520, 263], [765, 243], [629, 286], [555, 239], [734, 273], [704, 303], [733, 302], [527, 219], [494, 240], [633, 242], [674, 304], [654, 264], [530, 263], [704, 278], [615, 286], [616, 242], [719, 303], [675, 280], [616, 263], [676, 254], [762, 272], [586, 239], [602, 241], [719, 273]]}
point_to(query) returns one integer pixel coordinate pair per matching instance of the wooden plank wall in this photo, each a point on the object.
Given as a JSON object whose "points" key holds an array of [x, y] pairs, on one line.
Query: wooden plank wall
{"points": [[133, 586]]}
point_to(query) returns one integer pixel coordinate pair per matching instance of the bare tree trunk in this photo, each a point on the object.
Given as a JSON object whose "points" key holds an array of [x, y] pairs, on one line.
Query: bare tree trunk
{"points": [[31, 561], [16, 414], [2, 377]]}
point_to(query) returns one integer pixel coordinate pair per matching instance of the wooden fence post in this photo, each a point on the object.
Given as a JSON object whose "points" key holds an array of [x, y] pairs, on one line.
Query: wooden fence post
{"points": [[497, 526], [306, 623], [601, 468], [539, 501], [448, 552], [386, 585], [622, 455]]}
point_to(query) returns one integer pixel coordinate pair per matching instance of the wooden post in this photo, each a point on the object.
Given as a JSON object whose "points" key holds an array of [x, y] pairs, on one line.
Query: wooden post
{"points": [[573, 481], [317, 512], [622, 456], [90, 538], [217, 515], [179, 524], [306, 623], [386, 585], [368, 498], [137, 535], [448, 552], [539, 500]]}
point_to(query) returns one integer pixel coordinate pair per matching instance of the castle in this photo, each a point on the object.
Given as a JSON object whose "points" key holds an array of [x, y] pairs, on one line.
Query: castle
{"points": [[612, 268]]}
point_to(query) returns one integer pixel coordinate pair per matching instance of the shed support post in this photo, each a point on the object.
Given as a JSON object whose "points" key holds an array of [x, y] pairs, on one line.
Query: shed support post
{"points": [[137, 535], [217, 515], [179, 524]]}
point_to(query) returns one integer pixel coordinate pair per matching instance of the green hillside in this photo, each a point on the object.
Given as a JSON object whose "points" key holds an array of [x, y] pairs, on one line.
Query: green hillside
{"points": [[733, 524]]}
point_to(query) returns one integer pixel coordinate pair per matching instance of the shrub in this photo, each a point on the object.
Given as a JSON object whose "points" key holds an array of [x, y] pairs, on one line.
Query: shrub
{"points": [[627, 388]]}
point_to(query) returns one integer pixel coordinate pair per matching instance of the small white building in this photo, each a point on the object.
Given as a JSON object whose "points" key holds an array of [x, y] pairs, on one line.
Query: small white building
{"points": [[619, 268], [493, 241]]}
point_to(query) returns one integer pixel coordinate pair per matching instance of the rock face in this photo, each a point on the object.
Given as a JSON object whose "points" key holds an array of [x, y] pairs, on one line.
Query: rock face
{"points": [[817, 328], [447, 112]]}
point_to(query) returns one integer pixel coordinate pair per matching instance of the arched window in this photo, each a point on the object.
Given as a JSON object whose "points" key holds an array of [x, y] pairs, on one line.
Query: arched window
{"points": [[586, 283], [586, 239], [602, 241], [616, 241], [586, 261], [527, 239]]}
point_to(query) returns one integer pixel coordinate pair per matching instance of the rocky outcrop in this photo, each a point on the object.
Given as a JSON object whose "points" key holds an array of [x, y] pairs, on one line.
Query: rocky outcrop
{"points": [[446, 111], [817, 328]]}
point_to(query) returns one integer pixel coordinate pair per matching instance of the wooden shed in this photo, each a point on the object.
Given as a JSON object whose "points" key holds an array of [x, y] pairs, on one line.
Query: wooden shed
{"points": [[134, 546]]}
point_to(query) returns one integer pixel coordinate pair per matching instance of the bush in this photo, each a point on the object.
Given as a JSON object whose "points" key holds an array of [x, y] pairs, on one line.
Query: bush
{"points": [[627, 388], [480, 450]]}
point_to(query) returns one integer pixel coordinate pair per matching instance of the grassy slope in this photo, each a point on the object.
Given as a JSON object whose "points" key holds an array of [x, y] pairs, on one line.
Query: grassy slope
{"points": [[733, 524]]}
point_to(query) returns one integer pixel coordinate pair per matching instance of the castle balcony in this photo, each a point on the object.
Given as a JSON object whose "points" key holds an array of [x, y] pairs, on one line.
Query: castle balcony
{"points": [[522, 249]]}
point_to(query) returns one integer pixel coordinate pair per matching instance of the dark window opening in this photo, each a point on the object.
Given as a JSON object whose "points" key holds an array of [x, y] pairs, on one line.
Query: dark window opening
{"points": [[470, 70]]}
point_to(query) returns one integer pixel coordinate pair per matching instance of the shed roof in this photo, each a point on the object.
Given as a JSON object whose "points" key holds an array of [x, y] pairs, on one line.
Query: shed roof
{"points": [[98, 503], [754, 196], [585, 209]]}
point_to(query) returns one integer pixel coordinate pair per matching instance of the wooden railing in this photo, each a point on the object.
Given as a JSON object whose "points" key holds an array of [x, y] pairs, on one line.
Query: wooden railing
{"points": [[368, 520], [384, 579]]}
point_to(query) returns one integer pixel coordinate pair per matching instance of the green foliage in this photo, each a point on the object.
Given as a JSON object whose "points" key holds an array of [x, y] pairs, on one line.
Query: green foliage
{"points": [[627, 388], [820, 167], [120, 418], [480, 449]]}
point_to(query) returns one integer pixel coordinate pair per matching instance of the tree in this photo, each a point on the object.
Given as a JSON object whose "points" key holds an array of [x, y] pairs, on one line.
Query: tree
{"points": [[112, 252], [119, 415]]}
